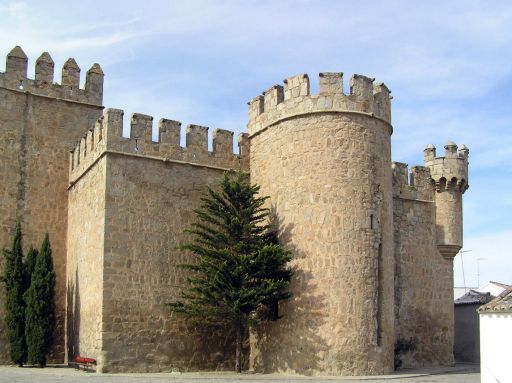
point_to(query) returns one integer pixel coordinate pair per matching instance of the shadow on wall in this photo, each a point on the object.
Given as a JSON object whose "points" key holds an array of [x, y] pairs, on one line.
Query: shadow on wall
{"points": [[433, 348], [73, 319], [216, 349], [293, 343]]}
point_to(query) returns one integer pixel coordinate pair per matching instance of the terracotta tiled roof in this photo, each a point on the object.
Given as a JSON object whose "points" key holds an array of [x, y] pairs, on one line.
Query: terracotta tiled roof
{"points": [[502, 303], [473, 297]]}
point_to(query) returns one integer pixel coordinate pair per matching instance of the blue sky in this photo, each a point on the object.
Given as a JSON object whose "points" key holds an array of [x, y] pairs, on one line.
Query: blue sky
{"points": [[448, 63]]}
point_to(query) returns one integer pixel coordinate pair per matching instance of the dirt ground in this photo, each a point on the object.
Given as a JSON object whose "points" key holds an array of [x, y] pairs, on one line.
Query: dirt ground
{"points": [[11, 374]]}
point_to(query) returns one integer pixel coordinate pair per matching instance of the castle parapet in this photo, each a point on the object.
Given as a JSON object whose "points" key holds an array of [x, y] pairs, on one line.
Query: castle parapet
{"points": [[450, 176], [278, 102], [415, 185], [15, 78], [44, 69], [450, 171], [106, 137]]}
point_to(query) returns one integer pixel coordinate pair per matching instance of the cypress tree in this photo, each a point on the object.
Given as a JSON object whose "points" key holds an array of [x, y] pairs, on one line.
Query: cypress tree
{"points": [[14, 279], [30, 264], [40, 311], [241, 272]]}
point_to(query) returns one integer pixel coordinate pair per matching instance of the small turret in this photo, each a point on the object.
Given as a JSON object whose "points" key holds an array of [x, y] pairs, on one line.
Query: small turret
{"points": [[464, 152], [94, 81], [71, 74], [16, 65], [450, 149], [44, 69], [429, 153], [450, 176]]}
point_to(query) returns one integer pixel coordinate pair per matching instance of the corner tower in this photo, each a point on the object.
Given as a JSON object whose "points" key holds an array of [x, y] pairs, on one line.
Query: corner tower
{"points": [[40, 121], [450, 175], [325, 162]]}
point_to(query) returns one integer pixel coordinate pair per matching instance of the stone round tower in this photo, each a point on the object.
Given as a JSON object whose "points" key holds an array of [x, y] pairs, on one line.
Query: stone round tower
{"points": [[325, 162], [450, 177]]}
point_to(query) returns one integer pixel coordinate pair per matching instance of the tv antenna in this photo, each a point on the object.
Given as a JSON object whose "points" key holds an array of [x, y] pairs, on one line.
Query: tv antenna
{"points": [[462, 262]]}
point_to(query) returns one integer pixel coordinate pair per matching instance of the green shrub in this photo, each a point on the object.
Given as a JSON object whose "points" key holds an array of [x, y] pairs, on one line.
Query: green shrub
{"points": [[402, 346], [40, 311], [15, 286]]}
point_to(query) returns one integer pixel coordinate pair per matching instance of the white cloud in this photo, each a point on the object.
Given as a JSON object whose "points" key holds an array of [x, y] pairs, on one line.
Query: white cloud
{"points": [[14, 8], [447, 62]]}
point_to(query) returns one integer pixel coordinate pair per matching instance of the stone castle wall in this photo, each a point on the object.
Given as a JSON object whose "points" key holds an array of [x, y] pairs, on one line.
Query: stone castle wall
{"points": [[373, 244], [39, 123], [422, 281], [325, 162], [149, 191], [85, 264]]}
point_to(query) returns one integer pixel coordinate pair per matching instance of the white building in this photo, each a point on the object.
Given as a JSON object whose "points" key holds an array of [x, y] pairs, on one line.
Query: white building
{"points": [[495, 288], [496, 338]]}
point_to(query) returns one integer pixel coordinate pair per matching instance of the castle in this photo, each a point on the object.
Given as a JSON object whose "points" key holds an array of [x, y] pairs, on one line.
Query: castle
{"points": [[373, 242]]}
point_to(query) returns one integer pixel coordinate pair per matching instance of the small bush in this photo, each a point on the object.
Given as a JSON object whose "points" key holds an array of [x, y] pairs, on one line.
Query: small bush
{"points": [[401, 347]]}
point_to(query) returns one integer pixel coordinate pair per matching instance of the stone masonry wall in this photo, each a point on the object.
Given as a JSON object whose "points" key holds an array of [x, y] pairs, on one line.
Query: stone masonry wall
{"points": [[149, 203], [373, 244], [39, 123], [10, 185], [450, 175], [325, 162], [423, 280], [85, 247], [151, 190]]}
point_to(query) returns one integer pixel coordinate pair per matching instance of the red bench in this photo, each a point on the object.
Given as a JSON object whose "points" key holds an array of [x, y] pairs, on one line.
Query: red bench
{"points": [[86, 363]]}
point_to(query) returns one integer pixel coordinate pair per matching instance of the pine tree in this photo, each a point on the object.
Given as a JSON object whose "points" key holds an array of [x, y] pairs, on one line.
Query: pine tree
{"points": [[40, 311], [240, 273], [14, 279]]}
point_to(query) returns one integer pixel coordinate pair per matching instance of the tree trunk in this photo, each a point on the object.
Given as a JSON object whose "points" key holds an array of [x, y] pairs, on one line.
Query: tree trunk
{"points": [[238, 352]]}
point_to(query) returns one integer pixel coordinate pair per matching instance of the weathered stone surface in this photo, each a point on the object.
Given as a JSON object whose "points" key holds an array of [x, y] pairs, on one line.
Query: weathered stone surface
{"points": [[328, 173], [324, 161], [85, 277], [373, 242], [130, 199], [37, 131], [423, 285]]}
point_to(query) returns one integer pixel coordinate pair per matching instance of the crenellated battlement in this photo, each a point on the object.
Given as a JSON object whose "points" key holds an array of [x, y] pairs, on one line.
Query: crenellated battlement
{"points": [[106, 136], [387, 232], [15, 78], [415, 184], [450, 171], [294, 98]]}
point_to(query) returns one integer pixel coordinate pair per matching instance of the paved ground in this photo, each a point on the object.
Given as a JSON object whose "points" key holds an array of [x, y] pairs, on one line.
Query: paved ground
{"points": [[458, 374]]}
